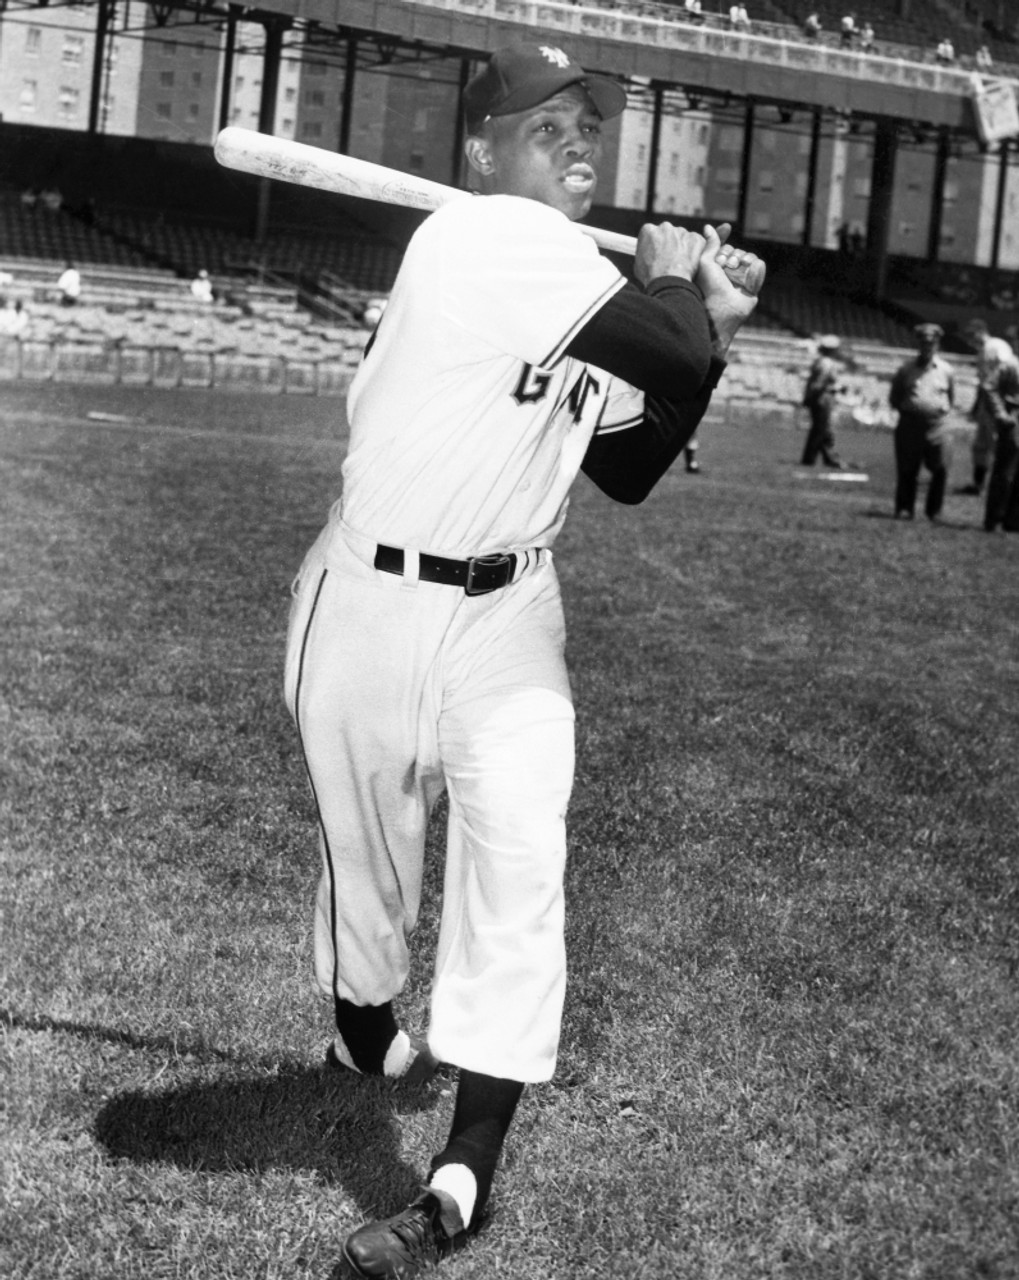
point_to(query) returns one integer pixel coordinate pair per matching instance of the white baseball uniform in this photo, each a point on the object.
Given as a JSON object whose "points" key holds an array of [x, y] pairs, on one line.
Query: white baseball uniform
{"points": [[468, 424]]}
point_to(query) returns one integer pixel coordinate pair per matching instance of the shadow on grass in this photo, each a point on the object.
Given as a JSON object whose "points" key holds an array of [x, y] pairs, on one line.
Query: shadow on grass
{"points": [[340, 1127], [332, 1123]]}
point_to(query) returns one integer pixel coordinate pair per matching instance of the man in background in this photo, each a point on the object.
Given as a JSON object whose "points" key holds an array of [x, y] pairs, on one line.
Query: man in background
{"points": [[819, 396], [922, 393], [994, 355]]}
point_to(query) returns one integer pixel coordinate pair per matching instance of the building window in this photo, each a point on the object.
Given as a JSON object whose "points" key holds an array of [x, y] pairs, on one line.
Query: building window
{"points": [[68, 101], [169, 48], [417, 161], [766, 180], [164, 110], [196, 79], [316, 98], [315, 69], [235, 114], [166, 79], [289, 95], [192, 110], [313, 129], [33, 41], [28, 95], [74, 47]]}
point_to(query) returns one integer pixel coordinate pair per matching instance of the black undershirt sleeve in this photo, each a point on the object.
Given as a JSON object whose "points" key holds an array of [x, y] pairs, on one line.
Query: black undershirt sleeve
{"points": [[658, 341]]}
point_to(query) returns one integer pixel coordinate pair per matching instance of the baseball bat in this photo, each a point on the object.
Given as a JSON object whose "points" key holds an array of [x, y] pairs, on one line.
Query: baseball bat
{"points": [[269, 157]]}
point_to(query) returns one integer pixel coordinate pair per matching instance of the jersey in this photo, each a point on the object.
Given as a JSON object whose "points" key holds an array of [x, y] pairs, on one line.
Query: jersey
{"points": [[468, 422]]}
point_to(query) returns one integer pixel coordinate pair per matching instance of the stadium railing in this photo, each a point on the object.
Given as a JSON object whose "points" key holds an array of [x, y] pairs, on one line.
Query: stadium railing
{"points": [[663, 27]]}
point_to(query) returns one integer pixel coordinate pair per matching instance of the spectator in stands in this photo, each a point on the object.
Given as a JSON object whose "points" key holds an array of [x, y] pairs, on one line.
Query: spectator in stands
{"points": [[922, 394], [201, 287], [373, 311], [739, 19], [847, 31], [52, 199], [867, 38], [983, 58], [69, 285], [693, 10], [819, 396], [945, 53], [1002, 507], [812, 26], [13, 318], [994, 355], [30, 198]]}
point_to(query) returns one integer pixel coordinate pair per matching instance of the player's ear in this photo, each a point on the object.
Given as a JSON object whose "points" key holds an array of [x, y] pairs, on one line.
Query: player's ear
{"points": [[479, 154]]}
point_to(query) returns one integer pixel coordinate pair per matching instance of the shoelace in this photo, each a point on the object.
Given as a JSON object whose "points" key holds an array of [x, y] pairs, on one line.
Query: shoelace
{"points": [[416, 1232]]}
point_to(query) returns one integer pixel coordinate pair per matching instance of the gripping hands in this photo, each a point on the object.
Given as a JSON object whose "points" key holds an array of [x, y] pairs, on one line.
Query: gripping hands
{"points": [[729, 278]]}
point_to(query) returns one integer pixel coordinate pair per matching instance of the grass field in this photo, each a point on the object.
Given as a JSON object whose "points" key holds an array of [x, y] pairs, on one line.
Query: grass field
{"points": [[790, 1043]]}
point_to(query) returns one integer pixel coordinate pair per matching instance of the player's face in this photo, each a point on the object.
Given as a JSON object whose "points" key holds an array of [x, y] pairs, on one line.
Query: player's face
{"points": [[549, 153]]}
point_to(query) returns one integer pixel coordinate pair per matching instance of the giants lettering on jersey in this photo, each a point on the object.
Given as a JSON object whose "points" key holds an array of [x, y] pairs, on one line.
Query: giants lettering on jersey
{"points": [[533, 385]]}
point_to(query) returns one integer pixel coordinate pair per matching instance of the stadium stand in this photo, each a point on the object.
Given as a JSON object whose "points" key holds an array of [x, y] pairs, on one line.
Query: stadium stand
{"points": [[297, 290]]}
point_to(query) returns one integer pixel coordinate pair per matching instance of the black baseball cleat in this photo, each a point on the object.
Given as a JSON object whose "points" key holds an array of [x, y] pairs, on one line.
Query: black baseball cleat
{"points": [[421, 1065], [408, 1244]]}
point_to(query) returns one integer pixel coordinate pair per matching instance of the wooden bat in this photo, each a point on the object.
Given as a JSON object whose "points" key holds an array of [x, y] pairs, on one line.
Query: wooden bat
{"points": [[270, 157]]}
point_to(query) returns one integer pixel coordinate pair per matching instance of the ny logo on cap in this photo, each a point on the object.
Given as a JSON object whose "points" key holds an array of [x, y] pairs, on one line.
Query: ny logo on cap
{"points": [[554, 55]]}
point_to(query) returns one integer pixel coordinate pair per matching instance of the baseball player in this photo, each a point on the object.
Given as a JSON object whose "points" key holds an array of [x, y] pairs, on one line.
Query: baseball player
{"points": [[426, 641], [819, 396]]}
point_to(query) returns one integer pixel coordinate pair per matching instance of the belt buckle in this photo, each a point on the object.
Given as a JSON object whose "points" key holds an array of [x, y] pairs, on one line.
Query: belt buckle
{"points": [[486, 562]]}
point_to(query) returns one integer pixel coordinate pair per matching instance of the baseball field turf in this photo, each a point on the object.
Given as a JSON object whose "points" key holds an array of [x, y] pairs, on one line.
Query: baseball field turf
{"points": [[790, 1046]]}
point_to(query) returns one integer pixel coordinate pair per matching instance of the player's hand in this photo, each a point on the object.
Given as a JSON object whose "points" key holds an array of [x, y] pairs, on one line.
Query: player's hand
{"points": [[665, 250], [730, 280]]}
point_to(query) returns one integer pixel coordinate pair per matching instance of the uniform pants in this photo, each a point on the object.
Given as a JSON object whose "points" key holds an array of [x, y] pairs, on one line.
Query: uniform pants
{"points": [[983, 437], [1003, 486], [916, 447], [400, 688], [820, 437]]}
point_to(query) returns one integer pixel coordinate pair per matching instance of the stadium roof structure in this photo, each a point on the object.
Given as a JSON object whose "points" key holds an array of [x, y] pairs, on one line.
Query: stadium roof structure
{"points": [[771, 63], [651, 43]]}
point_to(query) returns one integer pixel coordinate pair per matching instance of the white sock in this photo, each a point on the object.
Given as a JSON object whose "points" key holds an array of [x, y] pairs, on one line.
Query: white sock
{"points": [[459, 1182], [398, 1057]]}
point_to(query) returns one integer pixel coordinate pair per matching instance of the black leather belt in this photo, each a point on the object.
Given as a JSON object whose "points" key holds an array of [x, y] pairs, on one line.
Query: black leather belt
{"points": [[477, 576]]}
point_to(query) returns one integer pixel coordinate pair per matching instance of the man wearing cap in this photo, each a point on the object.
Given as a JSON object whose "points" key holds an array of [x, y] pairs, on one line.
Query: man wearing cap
{"points": [[426, 639], [922, 393], [819, 396]]}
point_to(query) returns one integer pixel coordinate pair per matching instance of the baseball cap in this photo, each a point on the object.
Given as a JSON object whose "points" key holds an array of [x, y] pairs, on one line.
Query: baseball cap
{"points": [[828, 342], [929, 331], [523, 75]]}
